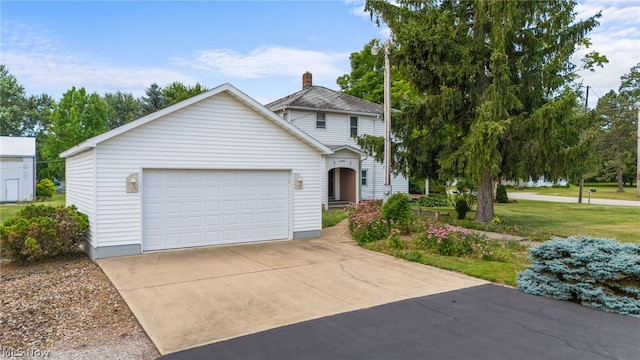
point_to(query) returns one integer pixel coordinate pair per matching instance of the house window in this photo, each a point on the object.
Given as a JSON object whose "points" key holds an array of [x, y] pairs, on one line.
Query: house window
{"points": [[321, 121], [353, 126], [363, 178], [284, 116]]}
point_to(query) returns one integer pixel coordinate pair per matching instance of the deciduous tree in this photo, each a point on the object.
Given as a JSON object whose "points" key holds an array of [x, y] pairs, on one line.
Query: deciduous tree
{"points": [[123, 109], [77, 117]]}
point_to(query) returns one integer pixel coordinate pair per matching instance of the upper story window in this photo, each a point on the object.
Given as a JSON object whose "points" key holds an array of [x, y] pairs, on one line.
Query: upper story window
{"points": [[284, 115], [321, 120], [353, 126]]}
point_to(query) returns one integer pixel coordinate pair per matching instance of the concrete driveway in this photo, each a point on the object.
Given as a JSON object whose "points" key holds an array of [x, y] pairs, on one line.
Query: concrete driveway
{"points": [[188, 298]]}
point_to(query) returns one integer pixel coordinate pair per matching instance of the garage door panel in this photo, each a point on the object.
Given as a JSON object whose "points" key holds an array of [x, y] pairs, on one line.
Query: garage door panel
{"points": [[184, 208]]}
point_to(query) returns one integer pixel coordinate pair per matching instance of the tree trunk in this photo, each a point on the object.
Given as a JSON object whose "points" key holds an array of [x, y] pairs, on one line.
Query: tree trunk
{"points": [[620, 181], [485, 198]]}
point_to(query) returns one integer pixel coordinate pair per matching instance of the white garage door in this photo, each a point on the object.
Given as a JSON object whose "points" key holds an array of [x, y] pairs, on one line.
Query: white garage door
{"points": [[185, 208]]}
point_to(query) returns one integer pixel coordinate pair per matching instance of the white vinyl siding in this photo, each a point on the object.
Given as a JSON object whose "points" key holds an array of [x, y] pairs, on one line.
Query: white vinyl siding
{"points": [[337, 132], [218, 133], [80, 187], [16, 178]]}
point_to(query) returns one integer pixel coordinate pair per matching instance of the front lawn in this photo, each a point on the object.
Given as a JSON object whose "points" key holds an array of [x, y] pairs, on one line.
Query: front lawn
{"points": [[540, 220], [7, 211]]}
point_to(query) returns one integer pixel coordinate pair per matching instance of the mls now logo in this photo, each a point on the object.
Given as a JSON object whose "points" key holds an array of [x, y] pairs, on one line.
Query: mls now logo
{"points": [[10, 352]]}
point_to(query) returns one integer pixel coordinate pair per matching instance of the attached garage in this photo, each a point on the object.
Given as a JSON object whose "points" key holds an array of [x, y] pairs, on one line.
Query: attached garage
{"points": [[218, 168]]}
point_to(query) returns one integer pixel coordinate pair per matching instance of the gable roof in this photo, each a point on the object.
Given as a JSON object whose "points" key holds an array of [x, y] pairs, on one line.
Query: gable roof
{"points": [[336, 148], [228, 88], [319, 98]]}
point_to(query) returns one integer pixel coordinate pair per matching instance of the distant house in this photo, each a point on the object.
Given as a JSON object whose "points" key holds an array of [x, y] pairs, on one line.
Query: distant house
{"points": [[334, 119], [542, 182], [17, 168]]}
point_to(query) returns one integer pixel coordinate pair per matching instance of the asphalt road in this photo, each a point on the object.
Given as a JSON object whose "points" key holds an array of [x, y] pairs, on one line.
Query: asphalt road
{"points": [[482, 322], [565, 199]]}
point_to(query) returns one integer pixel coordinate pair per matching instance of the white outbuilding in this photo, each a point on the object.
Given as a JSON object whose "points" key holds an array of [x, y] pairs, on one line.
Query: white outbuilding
{"points": [[17, 168], [217, 168]]}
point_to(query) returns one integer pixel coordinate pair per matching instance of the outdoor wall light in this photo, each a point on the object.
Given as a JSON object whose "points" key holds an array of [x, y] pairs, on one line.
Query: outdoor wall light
{"points": [[132, 183], [297, 182]]}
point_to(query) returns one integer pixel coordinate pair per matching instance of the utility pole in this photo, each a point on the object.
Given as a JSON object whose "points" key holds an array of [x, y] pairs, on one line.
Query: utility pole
{"points": [[583, 137], [387, 118], [387, 121]]}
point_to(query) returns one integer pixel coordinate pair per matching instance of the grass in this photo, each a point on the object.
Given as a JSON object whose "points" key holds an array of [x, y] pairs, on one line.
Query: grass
{"points": [[540, 220], [7, 211], [603, 191], [494, 271], [567, 219], [332, 217]]}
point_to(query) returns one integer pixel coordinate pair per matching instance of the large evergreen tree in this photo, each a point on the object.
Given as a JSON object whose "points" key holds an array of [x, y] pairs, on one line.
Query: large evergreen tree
{"points": [[494, 81], [154, 101]]}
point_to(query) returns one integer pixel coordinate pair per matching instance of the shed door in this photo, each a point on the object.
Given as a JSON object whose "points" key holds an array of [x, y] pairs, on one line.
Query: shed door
{"points": [[187, 208], [12, 193]]}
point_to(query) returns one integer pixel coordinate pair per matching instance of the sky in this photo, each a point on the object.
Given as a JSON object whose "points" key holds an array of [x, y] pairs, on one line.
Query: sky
{"points": [[260, 47]]}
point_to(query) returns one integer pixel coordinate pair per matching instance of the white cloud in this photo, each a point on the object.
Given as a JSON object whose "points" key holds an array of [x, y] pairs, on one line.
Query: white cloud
{"points": [[617, 37], [267, 61], [42, 64]]}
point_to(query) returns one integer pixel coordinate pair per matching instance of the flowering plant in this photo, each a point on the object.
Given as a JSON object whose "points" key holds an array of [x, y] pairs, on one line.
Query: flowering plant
{"points": [[366, 222]]}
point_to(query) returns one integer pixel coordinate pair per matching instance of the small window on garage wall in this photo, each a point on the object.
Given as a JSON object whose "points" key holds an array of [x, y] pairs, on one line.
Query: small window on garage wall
{"points": [[363, 178]]}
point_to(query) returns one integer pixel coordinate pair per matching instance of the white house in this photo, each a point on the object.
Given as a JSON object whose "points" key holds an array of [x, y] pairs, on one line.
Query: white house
{"points": [[334, 118], [216, 168], [17, 168]]}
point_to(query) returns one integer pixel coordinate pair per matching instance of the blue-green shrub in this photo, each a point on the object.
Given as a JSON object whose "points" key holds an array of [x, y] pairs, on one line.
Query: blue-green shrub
{"points": [[598, 273]]}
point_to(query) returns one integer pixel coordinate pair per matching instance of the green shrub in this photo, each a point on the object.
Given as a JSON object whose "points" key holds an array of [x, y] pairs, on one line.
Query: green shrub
{"points": [[432, 201], [366, 222], [397, 210], [40, 232], [416, 186], [501, 194], [462, 207], [598, 273], [45, 188], [437, 187]]}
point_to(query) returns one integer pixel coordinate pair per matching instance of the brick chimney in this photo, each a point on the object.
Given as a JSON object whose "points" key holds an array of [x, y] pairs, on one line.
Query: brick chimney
{"points": [[307, 80]]}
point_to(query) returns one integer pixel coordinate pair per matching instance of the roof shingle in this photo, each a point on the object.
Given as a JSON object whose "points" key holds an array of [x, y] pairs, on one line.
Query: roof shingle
{"points": [[321, 98]]}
